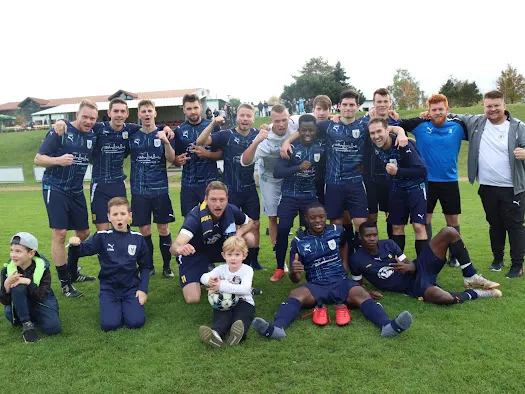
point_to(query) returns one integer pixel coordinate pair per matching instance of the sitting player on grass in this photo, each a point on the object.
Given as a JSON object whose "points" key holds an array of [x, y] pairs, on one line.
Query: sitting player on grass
{"points": [[234, 277], [384, 265], [317, 253], [123, 285], [26, 289]]}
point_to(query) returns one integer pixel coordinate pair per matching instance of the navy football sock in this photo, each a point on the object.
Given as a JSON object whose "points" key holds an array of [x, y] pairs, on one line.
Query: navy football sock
{"points": [[400, 241], [460, 252], [450, 252], [281, 246], [374, 312], [63, 275], [149, 243], [420, 244], [164, 246], [467, 295], [72, 265], [287, 312], [428, 227], [389, 231]]}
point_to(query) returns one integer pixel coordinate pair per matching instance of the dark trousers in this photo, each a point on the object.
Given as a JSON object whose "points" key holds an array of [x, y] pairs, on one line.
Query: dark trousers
{"points": [[223, 320], [117, 307], [504, 212], [43, 314]]}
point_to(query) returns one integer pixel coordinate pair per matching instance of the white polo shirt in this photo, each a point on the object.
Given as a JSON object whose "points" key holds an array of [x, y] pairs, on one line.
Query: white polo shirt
{"points": [[494, 164]]}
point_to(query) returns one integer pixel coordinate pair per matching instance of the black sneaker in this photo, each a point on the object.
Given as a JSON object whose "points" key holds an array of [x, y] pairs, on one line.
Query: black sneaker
{"points": [[70, 292], [152, 272], [29, 333], [256, 266], [514, 272], [167, 273], [84, 278], [496, 265]]}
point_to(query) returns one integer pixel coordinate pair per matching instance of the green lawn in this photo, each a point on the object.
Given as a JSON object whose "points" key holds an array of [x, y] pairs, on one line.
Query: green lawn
{"points": [[473, 347]]}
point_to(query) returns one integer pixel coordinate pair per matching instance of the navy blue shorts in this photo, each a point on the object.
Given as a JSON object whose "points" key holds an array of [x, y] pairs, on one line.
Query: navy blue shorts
{"points": [[405, 203], [349, 196], [143, 206], [331, 293], [100, 194], [65, 211], [192, 267], [377, 191], [428, 266], [247, 201], [190, 197], [289, 207]]}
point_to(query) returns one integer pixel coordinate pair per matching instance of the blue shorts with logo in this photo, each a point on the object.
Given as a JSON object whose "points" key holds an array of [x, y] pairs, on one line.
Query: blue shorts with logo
{"points": [[65, 211], [143, 206], [403, 203], [192, 267], [289, 207], [247, 201], [350, 196], [100, 194], [190, 197], [331, 293], [428, 266]]}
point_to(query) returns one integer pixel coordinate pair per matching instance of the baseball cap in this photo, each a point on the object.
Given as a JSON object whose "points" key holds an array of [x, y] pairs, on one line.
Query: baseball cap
{"points": [[25, 239]]}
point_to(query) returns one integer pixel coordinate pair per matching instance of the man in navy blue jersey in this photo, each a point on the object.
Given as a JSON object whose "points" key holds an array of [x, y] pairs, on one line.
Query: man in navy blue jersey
{"points": [[316, 253], [299, 186], [199, 162], [66, 159], [199, 243], [408, 193], [384, 265], [242, 191], [150, 149]]}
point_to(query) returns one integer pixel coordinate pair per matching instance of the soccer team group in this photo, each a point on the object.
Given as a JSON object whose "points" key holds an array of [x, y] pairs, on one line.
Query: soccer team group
{"points": [[342, 170]]}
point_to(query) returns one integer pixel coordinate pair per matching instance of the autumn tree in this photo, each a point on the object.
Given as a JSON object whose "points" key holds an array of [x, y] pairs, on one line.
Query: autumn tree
{"points": [[405, 90], [512, 84]]}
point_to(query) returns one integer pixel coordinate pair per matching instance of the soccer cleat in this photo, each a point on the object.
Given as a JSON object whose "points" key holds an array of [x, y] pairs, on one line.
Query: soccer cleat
{"points": [[488, 293], [256, 266], [342, 315], [210, 337], [29, 333], [453, 262], [167, 273], [496, 265], [236, 333], [286, 268], [277, 275], [479, 282], [152, 272], [320, 315], [84, 278], [70, 292], [514, 272]]}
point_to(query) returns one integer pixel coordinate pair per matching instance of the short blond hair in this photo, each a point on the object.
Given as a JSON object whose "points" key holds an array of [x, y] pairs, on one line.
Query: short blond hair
{"points": [[89, 104], [235, 243], [145, 102]]}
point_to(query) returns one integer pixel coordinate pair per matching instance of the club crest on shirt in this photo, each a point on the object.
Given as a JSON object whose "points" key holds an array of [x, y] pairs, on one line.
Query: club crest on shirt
{"points": [[356, 133], [132, 249], [125, 135], [317, 157], [332, 244], [393, 161], [156, 142], [89, 144]]}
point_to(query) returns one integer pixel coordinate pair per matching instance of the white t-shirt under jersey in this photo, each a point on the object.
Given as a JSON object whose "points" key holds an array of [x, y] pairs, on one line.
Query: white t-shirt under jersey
{"points": [[239, 282], [494, 164]]}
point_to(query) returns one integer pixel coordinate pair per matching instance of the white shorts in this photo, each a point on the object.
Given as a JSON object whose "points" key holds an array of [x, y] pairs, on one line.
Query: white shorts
{"points": [[270, 194]]}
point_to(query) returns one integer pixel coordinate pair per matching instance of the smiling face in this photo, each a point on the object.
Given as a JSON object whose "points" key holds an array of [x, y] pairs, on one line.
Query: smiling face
{"points": [[280, 122], [382, 105], [86, 118], [495, 110], [348, 108], [217, 201], [379, 135], [21, 256], [119, 216], [307, 132], [316, 219], [118, 114], [245, 119], [438, 113]]}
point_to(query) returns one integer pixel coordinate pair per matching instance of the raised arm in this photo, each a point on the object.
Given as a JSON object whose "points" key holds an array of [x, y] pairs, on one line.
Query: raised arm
{"points": [[205, 138], [248, 156]]}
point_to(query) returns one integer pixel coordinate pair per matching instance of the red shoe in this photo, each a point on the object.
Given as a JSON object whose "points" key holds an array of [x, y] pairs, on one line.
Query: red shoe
{"points": [[277, 275], [342, 315], [320, 315]]}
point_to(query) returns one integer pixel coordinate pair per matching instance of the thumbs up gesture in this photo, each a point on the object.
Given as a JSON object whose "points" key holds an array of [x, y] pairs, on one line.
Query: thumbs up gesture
{"points": [[297, 266]]}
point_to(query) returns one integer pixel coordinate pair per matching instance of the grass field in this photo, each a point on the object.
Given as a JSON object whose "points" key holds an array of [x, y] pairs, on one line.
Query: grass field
{"points": [[476, 346], [470, 348]]}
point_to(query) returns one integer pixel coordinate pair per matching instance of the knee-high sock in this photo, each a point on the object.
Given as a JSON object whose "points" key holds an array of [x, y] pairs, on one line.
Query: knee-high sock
{"points": [[164, 246], [281, 246], [253, 255], [467, 295], [400, 241], [420, 244], [149, 243], [460, 252], [375, 313], [428, 227], [389, 231], [287, 312], [450, 252], [63, 275], [72, 264]]}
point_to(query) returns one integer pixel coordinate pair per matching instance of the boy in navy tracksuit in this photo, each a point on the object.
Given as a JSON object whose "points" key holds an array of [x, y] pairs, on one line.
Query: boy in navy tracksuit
{"points": [[123, 286]]}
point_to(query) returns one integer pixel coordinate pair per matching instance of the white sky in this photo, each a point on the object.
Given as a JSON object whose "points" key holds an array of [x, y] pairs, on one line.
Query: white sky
{"points": [[249, 49]]}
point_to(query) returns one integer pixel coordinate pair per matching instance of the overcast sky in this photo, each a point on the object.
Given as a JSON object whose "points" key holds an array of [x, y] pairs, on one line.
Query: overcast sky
{"points": [[249, 49]]}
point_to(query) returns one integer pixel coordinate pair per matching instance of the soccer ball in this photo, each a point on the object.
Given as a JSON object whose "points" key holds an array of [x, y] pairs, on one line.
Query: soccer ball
{"points": [[222, 301]]}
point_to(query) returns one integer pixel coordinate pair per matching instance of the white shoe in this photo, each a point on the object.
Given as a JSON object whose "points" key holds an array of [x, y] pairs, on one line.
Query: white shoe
{"points": [[479, 282], [211, 337], [489, 293], [286, 267]]}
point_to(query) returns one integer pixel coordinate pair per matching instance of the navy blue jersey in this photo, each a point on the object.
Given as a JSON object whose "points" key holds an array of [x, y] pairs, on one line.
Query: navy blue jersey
{"points": [[236, 176], [320, 255], [123, 255], [411, 171], [68, 179], [198, 171], [299, 183], [376, 268], [148, 164], [221, 230], [345, 149], [110, 150]]}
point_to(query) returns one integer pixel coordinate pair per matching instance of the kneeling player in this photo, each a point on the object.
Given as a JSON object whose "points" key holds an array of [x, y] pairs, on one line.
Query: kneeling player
{"points": [[317, 253], [384, 265]]}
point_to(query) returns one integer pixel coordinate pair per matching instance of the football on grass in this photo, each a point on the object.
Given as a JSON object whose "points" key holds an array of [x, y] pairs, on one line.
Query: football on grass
{"points": [[222, 301]]}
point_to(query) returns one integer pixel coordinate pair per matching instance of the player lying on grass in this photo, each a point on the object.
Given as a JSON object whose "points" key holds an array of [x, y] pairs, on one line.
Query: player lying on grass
{"points": [[317, 253], [384, 265]]}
